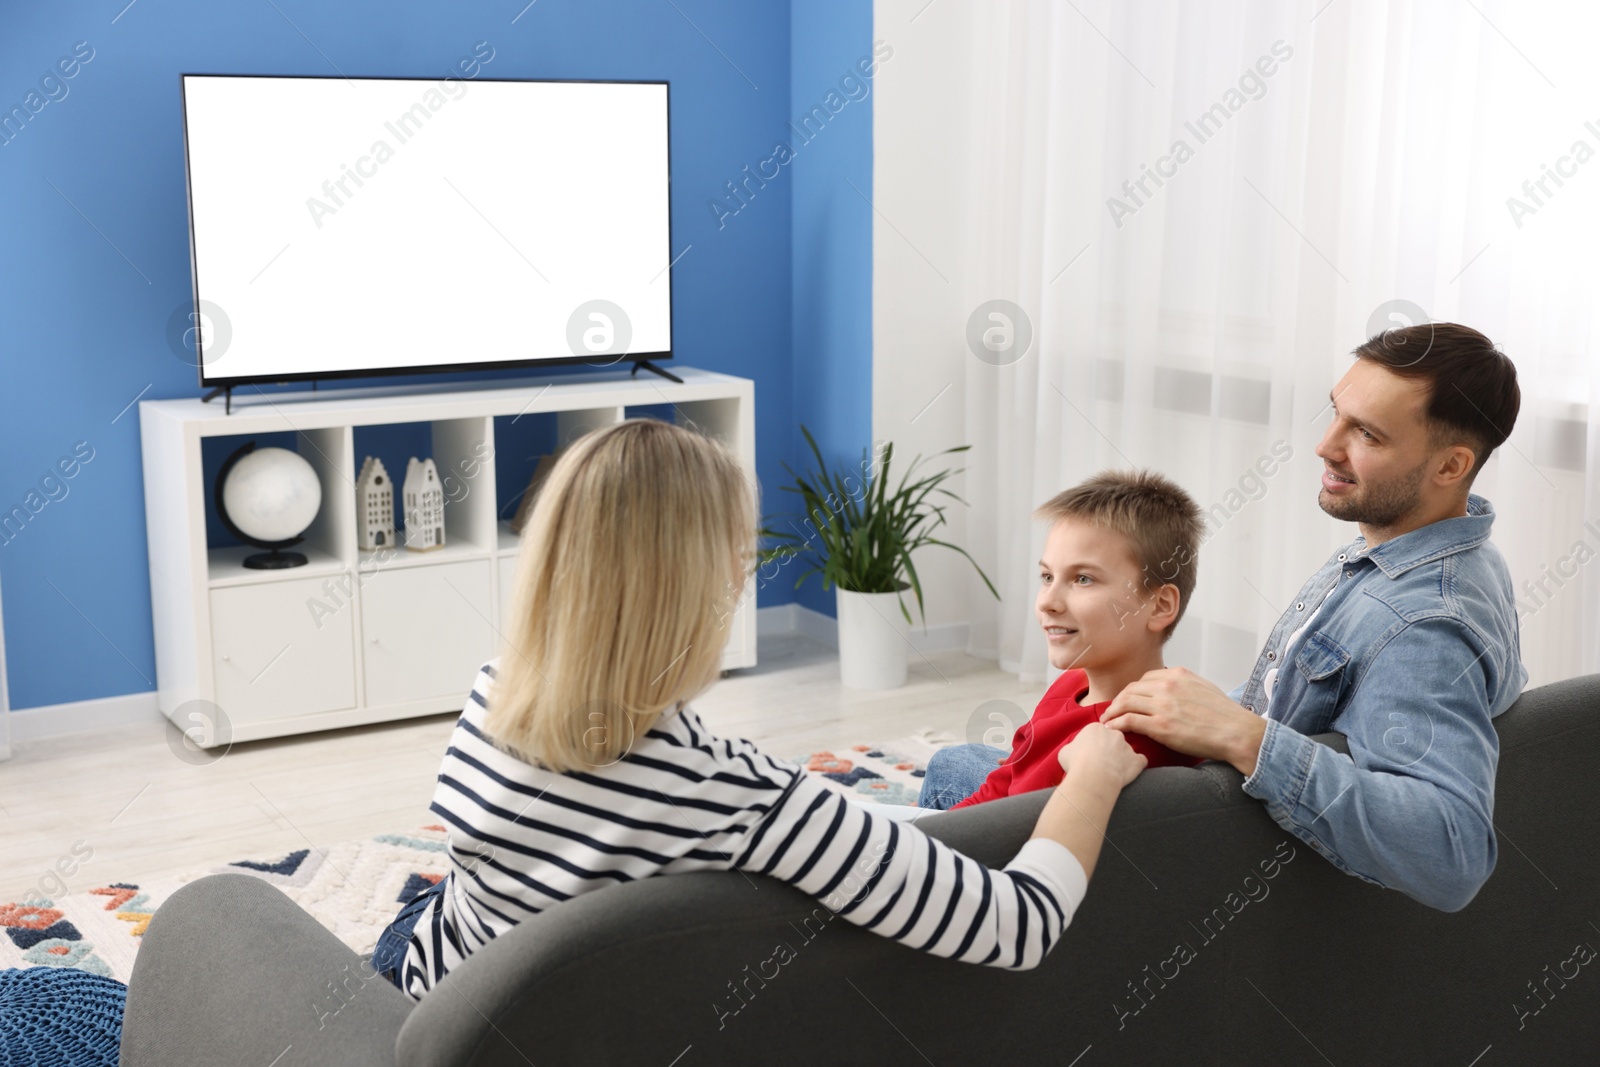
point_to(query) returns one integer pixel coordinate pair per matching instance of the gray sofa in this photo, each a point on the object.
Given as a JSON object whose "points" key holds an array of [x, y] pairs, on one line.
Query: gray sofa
{"points": [[1288, 961]]}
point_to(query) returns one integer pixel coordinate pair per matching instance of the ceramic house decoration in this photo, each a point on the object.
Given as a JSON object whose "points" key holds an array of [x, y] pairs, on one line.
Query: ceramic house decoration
{"points": [[374, 506], [424, 503]]}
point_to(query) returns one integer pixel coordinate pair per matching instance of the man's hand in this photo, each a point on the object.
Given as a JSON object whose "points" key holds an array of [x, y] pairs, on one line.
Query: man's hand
{"points": [[1188, 714]]}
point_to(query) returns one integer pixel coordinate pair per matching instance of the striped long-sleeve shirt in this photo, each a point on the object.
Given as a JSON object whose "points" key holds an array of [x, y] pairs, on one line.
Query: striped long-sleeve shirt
{"points": [[522, 838]]}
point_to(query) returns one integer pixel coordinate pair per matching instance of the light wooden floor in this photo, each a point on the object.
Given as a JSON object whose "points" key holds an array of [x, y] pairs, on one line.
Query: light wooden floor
{"points": [[145, 814]]}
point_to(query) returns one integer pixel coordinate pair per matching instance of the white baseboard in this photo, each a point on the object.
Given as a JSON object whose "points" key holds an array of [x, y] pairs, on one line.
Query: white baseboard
{"points": [[82, 716], [824, 629], [778, 620], [791, 619]]}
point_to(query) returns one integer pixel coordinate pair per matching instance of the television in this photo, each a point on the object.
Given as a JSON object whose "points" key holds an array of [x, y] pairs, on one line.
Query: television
{"points": [[344, 227]]}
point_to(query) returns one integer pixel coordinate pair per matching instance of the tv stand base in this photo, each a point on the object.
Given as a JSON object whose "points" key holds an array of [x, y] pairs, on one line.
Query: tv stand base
{"points": [[226, 392], [647, 365]]}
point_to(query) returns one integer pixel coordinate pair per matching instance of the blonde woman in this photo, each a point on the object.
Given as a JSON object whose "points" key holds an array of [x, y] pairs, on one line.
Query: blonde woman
{"points": [[578, 762]]}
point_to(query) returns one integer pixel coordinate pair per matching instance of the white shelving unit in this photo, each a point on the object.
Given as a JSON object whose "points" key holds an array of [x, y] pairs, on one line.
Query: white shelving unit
{"points": [[398, 634]]}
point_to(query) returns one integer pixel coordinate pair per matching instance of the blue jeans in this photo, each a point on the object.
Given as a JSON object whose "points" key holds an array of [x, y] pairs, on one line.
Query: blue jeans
{"points": [[955, 773], [390, 954]]}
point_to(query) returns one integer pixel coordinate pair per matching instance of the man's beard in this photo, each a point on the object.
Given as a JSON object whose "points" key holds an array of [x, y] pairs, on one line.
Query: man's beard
{"points": [[1378, 504]]}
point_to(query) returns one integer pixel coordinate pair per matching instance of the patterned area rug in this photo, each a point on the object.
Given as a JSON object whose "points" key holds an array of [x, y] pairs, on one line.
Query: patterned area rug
{"points": [[890, 773], [355, 888]]}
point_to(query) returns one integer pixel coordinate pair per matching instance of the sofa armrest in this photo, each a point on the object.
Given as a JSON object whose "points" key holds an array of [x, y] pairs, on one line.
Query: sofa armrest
{"points": [[233, 971]]}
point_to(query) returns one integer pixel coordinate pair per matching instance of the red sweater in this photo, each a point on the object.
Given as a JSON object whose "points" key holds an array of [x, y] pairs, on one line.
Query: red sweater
{"points": [[1033, 763]]}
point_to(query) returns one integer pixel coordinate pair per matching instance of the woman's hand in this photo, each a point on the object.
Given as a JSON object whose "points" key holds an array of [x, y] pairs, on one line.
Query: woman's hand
{"points": [[1099, 748], [1098, 763]]}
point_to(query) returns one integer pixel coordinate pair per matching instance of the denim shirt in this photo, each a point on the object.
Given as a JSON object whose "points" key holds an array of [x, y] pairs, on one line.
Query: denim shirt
{"points": [[1415, 651]]}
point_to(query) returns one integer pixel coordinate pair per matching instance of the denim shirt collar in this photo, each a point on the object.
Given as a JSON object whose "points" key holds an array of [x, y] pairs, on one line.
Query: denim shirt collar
{"points": [[1437, 539]]}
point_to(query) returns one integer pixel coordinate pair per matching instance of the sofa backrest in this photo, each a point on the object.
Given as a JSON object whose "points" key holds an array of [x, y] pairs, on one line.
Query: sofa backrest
{"points": [[1289, 960]]}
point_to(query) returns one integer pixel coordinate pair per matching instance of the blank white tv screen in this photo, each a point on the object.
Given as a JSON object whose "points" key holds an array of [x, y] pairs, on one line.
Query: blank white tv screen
{"points": [[345, 227]]}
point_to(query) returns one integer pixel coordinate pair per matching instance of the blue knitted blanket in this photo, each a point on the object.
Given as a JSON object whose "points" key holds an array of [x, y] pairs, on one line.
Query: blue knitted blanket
{"points": [[59, 1017]]}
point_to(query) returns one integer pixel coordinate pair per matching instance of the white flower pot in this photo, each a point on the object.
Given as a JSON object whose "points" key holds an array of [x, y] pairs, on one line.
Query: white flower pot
{"points": [[873, 640]]}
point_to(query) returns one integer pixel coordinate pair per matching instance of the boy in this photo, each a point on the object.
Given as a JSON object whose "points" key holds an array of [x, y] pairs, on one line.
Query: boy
{"points": [[1118, 569]]}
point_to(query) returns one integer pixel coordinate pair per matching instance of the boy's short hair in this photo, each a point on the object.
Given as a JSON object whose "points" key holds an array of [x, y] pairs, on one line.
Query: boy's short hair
{"points": [[1161, 523]]}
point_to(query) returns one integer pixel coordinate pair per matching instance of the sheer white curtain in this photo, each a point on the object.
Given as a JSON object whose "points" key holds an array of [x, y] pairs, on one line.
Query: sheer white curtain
{"points": [[1317, 163]]}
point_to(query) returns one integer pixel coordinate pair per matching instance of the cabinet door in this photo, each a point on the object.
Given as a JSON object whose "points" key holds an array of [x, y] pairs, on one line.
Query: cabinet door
{"points": [[506, 568], [740, 650], [426, 631], [282, 648]]}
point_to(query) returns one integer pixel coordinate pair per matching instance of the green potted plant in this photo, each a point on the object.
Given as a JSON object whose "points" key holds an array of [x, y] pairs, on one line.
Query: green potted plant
{"points": [[859, 535]]}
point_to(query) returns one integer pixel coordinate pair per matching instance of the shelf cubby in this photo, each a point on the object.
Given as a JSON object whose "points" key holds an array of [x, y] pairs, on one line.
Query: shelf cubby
{"points": [[462, 452], [329, 541]]}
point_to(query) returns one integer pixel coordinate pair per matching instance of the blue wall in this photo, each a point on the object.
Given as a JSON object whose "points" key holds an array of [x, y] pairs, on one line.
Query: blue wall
{"points": [[831, 69], [97, 256]]}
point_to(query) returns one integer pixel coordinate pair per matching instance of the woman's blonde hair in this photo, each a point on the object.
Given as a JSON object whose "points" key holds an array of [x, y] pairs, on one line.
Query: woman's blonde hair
{"points": [[635, 556]]}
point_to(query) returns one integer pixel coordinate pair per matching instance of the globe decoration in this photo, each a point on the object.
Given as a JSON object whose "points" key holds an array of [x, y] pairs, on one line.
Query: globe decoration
{"points": [[268, 498]]}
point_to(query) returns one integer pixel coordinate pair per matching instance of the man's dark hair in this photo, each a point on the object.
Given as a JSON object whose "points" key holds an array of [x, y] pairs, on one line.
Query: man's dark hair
{"points": [[1473, 395]]}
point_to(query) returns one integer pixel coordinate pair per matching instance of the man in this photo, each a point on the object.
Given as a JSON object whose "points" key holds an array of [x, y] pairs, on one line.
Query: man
{"points": [[1405, 641]]}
